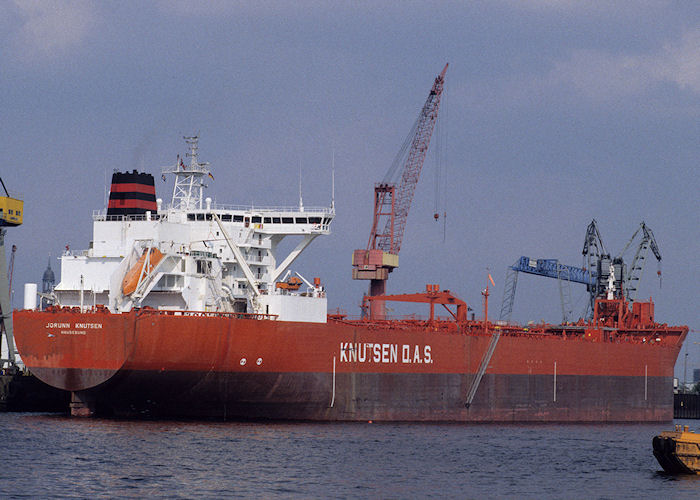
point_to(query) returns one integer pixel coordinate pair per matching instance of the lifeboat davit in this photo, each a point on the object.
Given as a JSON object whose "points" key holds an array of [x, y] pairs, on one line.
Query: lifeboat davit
{"points": [[131, 280]]}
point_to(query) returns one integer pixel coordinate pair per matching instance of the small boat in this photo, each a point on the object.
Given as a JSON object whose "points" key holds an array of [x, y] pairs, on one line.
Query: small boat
{"points": [[678, 451]]}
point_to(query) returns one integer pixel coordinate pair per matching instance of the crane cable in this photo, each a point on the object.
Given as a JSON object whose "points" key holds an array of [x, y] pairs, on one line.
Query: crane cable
{"points": [[440, 151]]}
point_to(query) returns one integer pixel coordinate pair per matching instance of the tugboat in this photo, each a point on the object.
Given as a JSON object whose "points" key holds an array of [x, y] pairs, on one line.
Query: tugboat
{"points": [[678, 451]]}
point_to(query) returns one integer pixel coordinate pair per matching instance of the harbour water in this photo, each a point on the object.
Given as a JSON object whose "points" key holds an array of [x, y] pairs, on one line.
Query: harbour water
{"points": [[56, 456]]}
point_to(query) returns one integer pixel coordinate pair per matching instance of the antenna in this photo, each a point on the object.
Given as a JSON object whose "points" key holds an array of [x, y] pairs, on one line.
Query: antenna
{"points": [[333, 182], [301, 201]]}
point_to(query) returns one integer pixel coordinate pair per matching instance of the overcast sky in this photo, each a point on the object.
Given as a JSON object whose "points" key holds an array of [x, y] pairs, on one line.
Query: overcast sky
{"points": [[555, 112]]}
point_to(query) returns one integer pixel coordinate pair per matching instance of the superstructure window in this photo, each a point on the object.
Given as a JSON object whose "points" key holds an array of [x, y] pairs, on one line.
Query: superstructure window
{"points": [[275, 220], [203, 267], [314, 220], [200, 216], [171, 282], [190, 217], [287, 220], [301, 220], [267, 220], [237, 218], [257, 219], [226, 217]]}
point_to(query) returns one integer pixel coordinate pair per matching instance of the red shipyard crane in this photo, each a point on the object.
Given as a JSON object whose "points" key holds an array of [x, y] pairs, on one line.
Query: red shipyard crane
{"points": [[392, 203]]}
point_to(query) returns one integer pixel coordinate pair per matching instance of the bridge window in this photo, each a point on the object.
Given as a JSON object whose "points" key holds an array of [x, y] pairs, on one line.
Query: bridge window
{"points": [[276, 220], [226, 218], [287, 220], [301, 220], [314, 220], [237, 218], [267, 220], [190, 216], [257, 219], [203, 267], [200, 216]]}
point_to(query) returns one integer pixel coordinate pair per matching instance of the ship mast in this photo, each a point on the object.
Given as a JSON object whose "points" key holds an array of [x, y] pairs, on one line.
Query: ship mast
{"points": [[189, 185]]}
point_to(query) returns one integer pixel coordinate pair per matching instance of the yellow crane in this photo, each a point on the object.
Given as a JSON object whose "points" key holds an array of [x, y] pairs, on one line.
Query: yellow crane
{"points": [[10, 209], [10, 216]]}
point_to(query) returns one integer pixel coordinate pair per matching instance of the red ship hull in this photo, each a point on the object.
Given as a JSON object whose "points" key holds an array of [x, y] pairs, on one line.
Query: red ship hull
{"points": [[157, 364]]}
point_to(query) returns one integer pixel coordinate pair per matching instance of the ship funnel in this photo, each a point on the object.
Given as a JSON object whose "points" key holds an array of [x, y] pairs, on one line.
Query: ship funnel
{"points": [[132, 193]]}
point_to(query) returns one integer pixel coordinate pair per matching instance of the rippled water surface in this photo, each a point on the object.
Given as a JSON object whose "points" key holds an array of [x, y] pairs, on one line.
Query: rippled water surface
{"points": [[55, 456]]}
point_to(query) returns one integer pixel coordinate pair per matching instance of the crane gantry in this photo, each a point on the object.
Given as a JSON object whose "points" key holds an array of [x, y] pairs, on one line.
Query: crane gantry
{"points": [[392, 203]]}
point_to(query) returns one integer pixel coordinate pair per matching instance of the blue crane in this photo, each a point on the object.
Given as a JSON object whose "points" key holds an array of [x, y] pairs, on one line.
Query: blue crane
{"points": [[550, 268]]}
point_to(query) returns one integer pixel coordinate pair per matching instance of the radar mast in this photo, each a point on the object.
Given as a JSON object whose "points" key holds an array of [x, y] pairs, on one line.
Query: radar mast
{"points": [[189, 179]]}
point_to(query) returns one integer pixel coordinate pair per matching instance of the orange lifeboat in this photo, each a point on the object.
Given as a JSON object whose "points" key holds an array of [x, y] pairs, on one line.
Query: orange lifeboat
{"points": [[131, 280], [293, 283]]}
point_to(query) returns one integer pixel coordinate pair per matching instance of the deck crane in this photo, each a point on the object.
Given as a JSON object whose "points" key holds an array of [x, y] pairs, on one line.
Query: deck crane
{"points": [[392, 203]]}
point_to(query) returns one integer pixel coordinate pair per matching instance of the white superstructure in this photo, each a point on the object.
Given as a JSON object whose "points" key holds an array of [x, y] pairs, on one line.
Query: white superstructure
{"points": [[215, 257]]}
